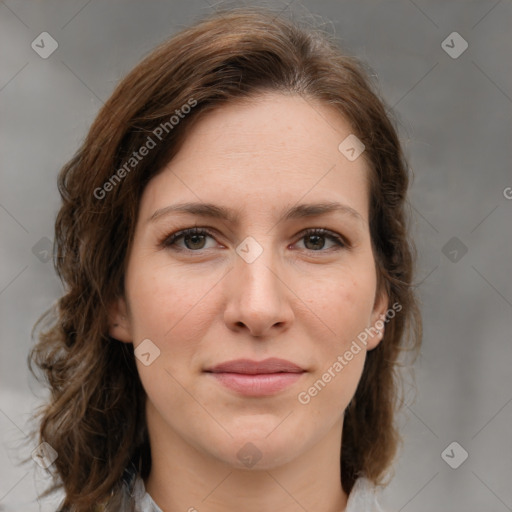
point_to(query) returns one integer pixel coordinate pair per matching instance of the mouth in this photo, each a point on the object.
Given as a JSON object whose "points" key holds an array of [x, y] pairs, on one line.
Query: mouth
{"points": [[256, 378]]}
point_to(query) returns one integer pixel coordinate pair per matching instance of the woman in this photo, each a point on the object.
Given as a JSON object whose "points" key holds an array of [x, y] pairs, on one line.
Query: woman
{"points": [[234, 244]]}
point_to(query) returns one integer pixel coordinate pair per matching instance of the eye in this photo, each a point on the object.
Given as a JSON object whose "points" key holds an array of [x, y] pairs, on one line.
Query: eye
{"points": [[194, 239], [314, 239]]}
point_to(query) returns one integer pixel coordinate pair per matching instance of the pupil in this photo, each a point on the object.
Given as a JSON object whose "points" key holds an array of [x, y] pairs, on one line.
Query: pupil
{"points": [[194, 240], [317, 237]]}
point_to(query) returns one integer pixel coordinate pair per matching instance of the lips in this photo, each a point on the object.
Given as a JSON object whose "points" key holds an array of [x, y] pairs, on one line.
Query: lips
{"points": [[249, 367], [256, 378]]}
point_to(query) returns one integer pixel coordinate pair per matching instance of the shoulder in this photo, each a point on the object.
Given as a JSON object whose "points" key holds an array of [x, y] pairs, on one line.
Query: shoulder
{"points": [[139, 499], [363, 497]]}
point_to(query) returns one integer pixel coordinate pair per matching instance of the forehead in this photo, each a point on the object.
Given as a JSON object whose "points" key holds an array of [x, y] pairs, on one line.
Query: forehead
{"points": [[272, 150]]}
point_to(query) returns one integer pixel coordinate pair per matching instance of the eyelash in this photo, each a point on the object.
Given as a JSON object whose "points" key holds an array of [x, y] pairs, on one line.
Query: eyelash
{"points": [[170, 240]]}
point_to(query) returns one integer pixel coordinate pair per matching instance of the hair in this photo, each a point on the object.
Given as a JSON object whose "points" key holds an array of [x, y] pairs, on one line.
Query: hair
{"points": [[95, 416]]}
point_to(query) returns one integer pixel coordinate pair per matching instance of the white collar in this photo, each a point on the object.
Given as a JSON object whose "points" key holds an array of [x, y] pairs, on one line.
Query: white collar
{"points": [[362, 498]]}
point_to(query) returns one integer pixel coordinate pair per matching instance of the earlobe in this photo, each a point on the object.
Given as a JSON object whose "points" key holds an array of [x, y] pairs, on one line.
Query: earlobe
{"points": [[119, 323], [378, 320]]}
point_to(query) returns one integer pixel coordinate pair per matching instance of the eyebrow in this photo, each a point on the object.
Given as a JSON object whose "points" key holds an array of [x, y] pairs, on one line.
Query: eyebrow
{"points": [[231, 215]]}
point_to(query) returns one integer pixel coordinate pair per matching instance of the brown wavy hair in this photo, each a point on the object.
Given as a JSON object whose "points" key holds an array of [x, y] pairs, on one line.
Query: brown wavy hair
{"points": [[95, 417]]}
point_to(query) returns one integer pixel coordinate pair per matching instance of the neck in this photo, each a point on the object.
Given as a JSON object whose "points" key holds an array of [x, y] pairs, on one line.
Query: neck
{"points": [[182, 478]]}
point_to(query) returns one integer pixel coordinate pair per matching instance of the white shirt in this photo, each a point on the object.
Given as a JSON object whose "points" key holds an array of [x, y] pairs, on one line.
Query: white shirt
{"points": [[362, 498]]}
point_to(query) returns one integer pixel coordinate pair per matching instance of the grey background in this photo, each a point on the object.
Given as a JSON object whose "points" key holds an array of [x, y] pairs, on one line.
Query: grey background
{"points": [[456, 121]]}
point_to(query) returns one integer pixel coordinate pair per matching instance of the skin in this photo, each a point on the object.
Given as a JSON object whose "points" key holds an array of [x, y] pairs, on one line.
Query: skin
{"points": [[204, 304]]}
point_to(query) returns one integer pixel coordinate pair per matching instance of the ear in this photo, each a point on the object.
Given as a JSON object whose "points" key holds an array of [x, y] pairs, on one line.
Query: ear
{"points": [[119, 321], [378, 320]]}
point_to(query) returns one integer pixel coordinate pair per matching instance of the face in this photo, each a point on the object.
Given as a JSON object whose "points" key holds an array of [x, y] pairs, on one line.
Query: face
{"points": [[208, 311]]}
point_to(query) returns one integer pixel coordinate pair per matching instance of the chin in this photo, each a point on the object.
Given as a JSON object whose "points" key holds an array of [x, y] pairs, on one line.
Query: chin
{"points": [[263, 449]]}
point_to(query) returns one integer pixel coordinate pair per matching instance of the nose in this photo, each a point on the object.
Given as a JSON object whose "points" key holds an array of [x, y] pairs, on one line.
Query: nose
{"points": [[259, 299]]}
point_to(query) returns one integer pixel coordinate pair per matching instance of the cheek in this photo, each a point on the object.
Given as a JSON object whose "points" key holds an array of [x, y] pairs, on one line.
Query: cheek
{"points": [[169, 306], [173, 310], [343, 303]]}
